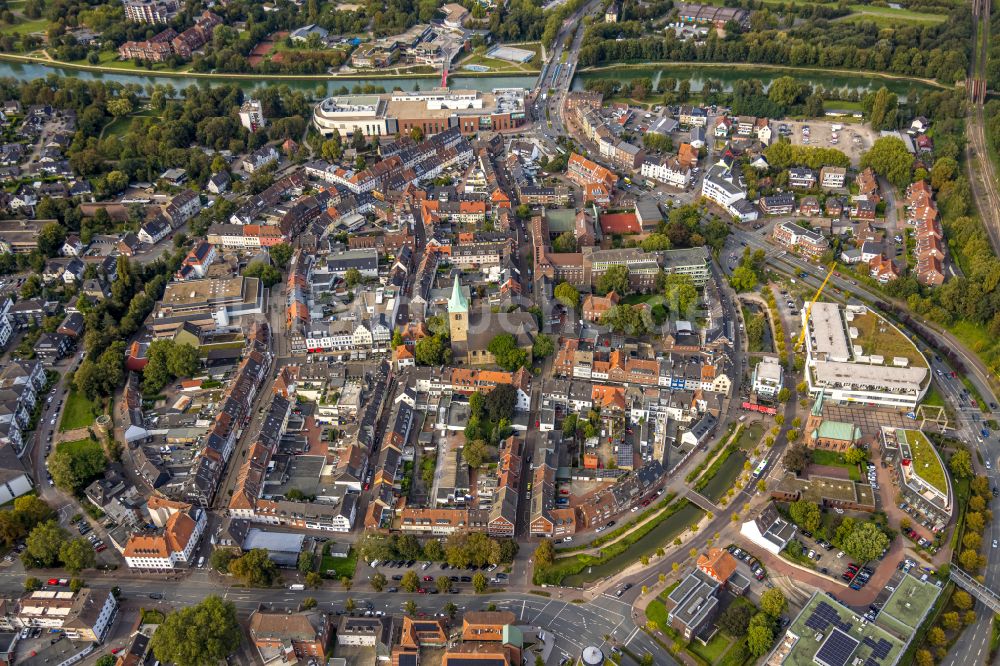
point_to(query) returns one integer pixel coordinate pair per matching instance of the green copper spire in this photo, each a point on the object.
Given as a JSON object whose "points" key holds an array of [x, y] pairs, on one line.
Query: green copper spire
{"points": [[457, 302]]}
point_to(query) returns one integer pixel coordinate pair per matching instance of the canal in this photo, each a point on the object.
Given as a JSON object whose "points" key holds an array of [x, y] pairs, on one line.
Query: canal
{"points": [[659, 537]]}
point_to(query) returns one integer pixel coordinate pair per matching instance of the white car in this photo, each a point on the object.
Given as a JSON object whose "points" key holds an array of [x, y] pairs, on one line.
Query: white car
{"points": [[994, 543]]}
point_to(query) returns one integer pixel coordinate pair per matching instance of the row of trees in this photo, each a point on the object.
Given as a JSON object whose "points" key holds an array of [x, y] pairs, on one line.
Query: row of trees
{"points": [[938, 52], [460, 549]]}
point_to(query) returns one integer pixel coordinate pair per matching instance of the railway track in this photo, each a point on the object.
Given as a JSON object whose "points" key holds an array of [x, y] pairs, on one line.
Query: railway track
{"points": [[983, 178]]}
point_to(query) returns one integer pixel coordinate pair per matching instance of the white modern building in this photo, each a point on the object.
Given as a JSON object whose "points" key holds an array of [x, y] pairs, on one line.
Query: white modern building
{"points": [[845, 359], [768, 377], [252, 115], [722, 186], [666, 170]]}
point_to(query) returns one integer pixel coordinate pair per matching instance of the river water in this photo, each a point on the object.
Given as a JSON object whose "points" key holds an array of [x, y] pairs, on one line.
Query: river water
{"points": [[37, 70], [696, 75]]}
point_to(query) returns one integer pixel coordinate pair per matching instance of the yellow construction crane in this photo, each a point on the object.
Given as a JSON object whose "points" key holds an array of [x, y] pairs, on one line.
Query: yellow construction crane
{"points": [[802, 335]]}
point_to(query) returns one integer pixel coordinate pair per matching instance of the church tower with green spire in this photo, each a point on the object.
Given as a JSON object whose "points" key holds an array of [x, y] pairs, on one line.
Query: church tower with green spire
{"points": [[458, 313]]}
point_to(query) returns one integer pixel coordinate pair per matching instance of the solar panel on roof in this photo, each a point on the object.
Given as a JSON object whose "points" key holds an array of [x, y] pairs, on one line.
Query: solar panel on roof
{"points": [[882, 649], [836, 649]]}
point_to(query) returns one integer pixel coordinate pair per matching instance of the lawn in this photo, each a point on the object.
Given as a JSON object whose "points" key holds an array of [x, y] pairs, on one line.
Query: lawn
{"points": [[712, 653], [78, 446], [338, 567], [657, 612], [889, 16], [79, 412], [933, 398], [637, 299], [926, 463], [26, 27], [119, 126], [834, 459], [750, 436]]}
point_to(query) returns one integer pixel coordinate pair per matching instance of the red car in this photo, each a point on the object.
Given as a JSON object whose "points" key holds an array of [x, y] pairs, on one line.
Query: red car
{"points": [[53, 581], [428, 579], [116, 651], [645, 502], [421, 590]]}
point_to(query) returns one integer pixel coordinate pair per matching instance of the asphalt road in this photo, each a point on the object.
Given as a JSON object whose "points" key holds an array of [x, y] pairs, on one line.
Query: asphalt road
{"points": [[575, 625]]}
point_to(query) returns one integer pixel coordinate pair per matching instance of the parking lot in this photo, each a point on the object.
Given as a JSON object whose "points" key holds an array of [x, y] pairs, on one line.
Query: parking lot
{"points": [[851, 139], [429, 572]]}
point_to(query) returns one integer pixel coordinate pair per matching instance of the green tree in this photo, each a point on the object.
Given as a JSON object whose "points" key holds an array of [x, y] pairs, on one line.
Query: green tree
{"points": [[936, 637], [255, 568], [759, 639], [479, 583], [51, 238], [475, 452], [508, 355], [220, 559], [305, 563], [77, 555], [785, 92], [881, 108], [43, 544], [743, 279], [961, 464], [951, 621], [433, 551], [432, 350], [545, 553], [889, 157], [855, 456], [281, 254], [265, 272], [410, 581], [564, 243], [614, 279], [314, 580], [784, 394], [735, 619], [655, 242], [543, 347], [443, 584], [773, 602], [865, 542], [198, 635], [73, 467], [680, 292], [410, 607], [119, 106], [567, 295], [805, 514], [309, 603], [797, 458], [106, 660], [627, 319], [352, 277], [962, 600]]}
